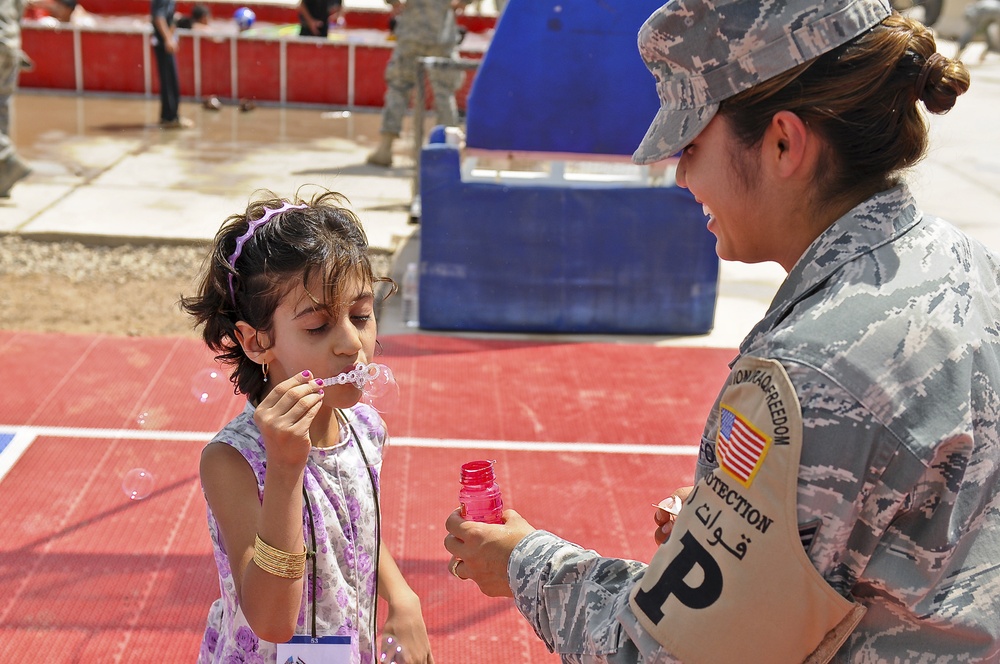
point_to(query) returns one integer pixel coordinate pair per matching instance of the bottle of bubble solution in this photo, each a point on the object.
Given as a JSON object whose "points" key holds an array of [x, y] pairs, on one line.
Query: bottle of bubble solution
{"points": [[480, 493], [411, 296]]}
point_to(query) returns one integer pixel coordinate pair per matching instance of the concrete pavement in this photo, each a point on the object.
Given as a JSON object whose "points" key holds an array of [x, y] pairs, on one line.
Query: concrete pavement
{"points": [[104, 172]]}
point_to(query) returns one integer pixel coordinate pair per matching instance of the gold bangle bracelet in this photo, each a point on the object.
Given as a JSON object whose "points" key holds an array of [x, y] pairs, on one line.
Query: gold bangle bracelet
{"points": [[277, 562]]}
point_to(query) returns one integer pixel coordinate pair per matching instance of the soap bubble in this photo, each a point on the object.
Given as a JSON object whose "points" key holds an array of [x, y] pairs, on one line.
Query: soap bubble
{"points": [[376, 382], [381, 391], [209, 385], [138, 483], [152, 417]]}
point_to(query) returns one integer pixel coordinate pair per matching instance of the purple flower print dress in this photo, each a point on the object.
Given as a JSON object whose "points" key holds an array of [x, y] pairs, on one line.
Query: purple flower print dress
{"points": [[344, 510]]}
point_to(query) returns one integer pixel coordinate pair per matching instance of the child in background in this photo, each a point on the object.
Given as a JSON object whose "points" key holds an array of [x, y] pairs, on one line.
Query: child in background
{"points": [[63, 11], [287, 300], [199, 17]]}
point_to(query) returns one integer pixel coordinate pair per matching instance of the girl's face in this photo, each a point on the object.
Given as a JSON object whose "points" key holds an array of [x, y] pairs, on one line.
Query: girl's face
{"points": [[324, 341], [736, 209]]}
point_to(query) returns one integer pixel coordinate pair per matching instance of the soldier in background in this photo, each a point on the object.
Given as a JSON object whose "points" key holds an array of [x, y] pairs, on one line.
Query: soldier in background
{"points": [[12, 168], [423, 28], [847, 495], [979, 16]]}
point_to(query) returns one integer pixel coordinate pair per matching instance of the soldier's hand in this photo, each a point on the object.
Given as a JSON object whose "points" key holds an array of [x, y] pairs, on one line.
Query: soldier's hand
{"points": [[666, 513], [480, 551]]}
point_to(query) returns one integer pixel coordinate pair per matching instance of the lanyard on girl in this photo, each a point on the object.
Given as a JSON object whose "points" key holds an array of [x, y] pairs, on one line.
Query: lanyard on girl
{"points": [[314, 638]]}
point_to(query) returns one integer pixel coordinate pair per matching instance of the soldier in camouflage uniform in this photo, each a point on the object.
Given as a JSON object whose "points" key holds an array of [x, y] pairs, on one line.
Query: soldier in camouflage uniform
{"points": [[424, 28], [979, 16], [12, 168], [847, 497]]}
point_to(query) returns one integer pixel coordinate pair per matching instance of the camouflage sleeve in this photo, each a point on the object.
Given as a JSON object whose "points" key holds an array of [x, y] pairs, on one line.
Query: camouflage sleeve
{"points": [[856, 479], [572, 597]]}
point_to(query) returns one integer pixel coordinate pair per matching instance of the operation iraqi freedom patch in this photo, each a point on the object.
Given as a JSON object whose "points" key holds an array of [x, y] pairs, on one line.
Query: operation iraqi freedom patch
{"points": [[737, 544], [750, 421]]}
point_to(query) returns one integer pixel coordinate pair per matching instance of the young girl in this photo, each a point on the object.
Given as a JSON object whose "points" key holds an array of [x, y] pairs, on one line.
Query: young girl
{"points": [[292, 482]]}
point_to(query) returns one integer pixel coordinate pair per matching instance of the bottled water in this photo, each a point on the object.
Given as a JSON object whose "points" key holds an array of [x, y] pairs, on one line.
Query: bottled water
{"points": [[480, 494], [411, 296]]}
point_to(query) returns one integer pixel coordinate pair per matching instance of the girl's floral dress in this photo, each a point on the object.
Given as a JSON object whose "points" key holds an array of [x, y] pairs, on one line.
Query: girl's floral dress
{"points": [[341, 488]]}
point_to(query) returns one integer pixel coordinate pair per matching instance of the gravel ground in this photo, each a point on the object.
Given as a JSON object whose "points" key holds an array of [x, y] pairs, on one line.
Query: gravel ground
{"points": [[125, 290]]}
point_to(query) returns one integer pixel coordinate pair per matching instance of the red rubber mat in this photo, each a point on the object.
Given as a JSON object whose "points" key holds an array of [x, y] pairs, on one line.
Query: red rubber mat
{"points": [[579, 431]]}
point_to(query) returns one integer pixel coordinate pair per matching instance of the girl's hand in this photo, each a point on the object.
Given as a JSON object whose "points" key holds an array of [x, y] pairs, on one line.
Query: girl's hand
{"points": [[480, 551], [664, 519], [404, 635], [284, 418]]}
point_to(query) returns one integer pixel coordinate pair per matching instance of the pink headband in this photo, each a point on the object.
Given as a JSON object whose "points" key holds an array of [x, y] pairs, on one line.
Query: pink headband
{"points": [[252, 227]]}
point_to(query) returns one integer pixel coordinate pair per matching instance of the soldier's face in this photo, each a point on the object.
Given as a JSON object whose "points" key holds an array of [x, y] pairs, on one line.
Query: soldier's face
{"points": [[721, 175]]}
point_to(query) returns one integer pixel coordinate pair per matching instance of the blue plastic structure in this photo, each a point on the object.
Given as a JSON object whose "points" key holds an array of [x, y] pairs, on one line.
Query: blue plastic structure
{"points": [[564, 76], [537, 258], [571, 256]]}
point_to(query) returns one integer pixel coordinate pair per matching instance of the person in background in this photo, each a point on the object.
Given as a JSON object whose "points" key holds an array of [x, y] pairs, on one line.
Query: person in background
{"points": [[199, 17], [846, 504], [422, 28], [315, 16], [165, 49], [61, 10], [12, 168], [981, 17]]}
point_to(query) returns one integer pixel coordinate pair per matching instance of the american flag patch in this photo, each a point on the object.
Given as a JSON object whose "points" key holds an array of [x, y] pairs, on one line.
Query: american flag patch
{"points": [[741, 447]]}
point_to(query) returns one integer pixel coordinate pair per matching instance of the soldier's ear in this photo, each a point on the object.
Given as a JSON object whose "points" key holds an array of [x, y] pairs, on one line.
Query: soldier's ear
{"points": [[789, 145]]}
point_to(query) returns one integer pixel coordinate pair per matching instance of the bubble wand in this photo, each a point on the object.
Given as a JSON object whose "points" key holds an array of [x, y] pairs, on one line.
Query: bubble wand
{"points": [[376, 382], [360, 375]]}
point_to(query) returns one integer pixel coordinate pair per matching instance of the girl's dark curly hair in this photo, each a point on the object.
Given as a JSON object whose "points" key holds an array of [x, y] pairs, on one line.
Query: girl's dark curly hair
{"points": [[323, 238]]}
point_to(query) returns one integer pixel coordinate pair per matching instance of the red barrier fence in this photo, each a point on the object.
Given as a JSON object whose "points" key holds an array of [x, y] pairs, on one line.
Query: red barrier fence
{"points": [[269, 12], [114, 55]]}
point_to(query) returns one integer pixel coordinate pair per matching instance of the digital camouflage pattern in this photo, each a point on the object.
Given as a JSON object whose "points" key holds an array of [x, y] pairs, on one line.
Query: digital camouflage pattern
{"points": [[983, 11], [889, 329], [704, 51], [427, 22], [11, 12], [425, 28], [978, 18]]}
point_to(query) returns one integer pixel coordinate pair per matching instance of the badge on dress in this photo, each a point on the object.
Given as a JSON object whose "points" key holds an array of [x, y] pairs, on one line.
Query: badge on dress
{"points": [[318, 650]]}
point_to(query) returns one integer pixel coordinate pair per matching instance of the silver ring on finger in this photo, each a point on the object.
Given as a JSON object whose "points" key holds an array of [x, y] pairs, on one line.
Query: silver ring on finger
{"points": [[453, 568]]}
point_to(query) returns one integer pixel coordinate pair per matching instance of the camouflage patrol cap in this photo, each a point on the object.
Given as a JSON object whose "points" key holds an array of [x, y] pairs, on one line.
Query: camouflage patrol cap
{"points": [[704, 51]]}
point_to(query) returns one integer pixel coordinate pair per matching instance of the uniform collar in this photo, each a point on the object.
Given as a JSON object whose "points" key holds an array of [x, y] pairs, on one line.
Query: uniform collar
{"points": [[875, 222]]}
